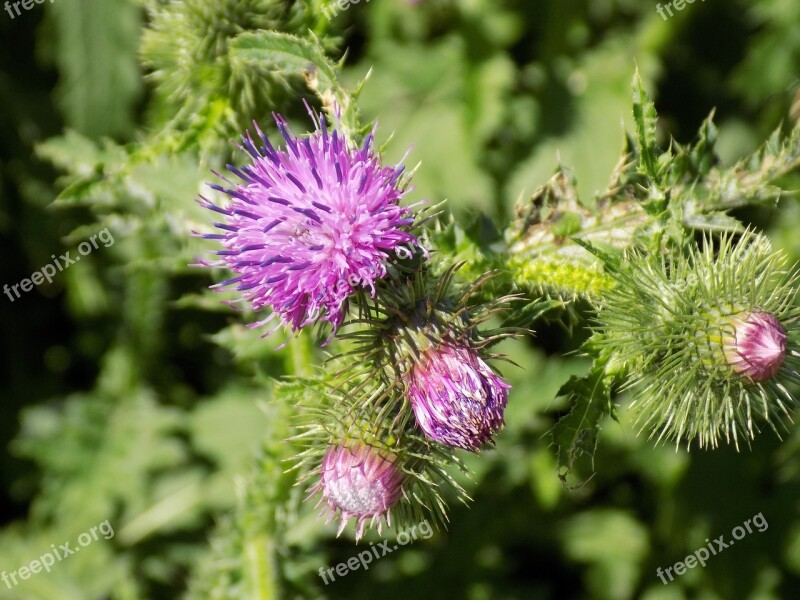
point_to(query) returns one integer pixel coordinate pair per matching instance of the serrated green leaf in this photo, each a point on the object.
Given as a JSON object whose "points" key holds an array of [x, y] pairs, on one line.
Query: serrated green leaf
{"points": [[78, 154], [286, 52], [293, 55], [702, 154], [575, 434], [718, 222], [751, 181]]}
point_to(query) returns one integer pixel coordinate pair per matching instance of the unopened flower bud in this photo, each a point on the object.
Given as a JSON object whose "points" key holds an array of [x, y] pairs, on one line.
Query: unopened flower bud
{"points": [[457, 398], [359, 481], [757, 345]]}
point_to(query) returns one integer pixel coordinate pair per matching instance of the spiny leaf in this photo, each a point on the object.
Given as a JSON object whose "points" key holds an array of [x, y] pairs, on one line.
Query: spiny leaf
{"points": [[702, 154], [717, 222], [644, 115], [291, 54], [751, 180], [287, 52], [575, 434]]}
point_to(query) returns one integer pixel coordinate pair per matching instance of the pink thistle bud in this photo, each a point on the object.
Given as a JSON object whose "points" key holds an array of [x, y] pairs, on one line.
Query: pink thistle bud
{"points": [[757, 347], [457, 399], [359, 481]]}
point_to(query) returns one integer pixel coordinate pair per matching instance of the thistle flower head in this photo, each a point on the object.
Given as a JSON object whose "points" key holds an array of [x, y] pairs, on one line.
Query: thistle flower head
{"points": [[359, 481], [707, 339], [310, 224], [458, 400], [757, 345]]}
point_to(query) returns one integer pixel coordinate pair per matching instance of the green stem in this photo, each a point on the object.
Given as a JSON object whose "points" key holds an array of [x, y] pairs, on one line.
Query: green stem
{"points": [[262, 572], [301, 355], [261, 568]]}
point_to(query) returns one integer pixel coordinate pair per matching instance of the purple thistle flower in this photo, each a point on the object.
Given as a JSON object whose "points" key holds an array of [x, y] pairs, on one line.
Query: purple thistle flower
{"points": [[310, 224], [457, 398], [359, 481], [757, 347]]}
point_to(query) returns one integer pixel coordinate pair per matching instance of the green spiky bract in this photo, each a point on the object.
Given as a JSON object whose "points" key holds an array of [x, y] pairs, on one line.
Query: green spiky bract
{"points": [[664, 324]]}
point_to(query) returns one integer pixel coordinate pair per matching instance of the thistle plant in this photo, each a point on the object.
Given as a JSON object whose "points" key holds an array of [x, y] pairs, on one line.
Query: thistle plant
{"points": [[361, 482], [756, 346], [388, 309], [702, 334], [208, 88], [458, 400], [375, 470], [432, 350]]}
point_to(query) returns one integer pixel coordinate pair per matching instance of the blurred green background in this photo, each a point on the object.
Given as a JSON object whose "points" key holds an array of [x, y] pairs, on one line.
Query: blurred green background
{"points": [[130, 394]]}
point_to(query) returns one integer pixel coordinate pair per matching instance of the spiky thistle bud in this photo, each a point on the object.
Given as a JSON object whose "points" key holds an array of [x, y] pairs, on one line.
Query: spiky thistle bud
{"points": [[706, 339], [421, 354], [363, 462], [182, 36], [458, 400], [359, 481], [431, 350]]}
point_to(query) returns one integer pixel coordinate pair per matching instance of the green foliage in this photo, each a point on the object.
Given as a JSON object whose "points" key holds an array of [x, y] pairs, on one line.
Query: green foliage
{"points": [[682, 192], [644, 115], [200, 55], [100, 78], [289, 55]]}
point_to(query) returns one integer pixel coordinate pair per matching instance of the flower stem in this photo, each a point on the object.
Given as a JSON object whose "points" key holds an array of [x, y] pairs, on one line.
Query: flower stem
{"points": [[301, 352], [261, 568]]}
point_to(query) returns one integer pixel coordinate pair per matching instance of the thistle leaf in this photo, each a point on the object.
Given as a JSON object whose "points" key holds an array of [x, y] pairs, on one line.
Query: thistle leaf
{"points": [[751, 181], [575, 434], [292, 55], [645, 117], [288, 53]]}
